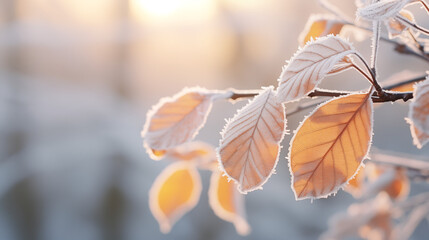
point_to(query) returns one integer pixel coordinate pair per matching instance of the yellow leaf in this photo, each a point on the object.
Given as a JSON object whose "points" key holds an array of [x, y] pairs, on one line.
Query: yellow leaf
{"points": [[310, 65], [227, 202], [418, 116], [330, 145], [176, 120], [320, 26], [175, 192], [250, 144]]}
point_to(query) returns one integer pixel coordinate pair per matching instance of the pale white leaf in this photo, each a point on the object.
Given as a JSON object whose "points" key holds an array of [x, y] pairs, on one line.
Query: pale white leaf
{"points": [[176, 120], [250, 144], [418, 115], [310, 65], [382, 10]]}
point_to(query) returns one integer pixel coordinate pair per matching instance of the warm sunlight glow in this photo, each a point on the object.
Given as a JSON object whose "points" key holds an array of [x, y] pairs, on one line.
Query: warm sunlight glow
{"points": [[166, 8], [160, 7]]}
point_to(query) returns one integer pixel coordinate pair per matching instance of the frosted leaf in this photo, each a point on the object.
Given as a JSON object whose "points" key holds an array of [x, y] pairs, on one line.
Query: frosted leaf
{"points": [[306, 69], [227, 202], [329, 146], [250, 144], [175, 192], [418, 115], [382, 10], [176, 120]]}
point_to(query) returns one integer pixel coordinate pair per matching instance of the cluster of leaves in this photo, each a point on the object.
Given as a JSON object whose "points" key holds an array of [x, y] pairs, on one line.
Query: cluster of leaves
{"points": [[327, 149]]}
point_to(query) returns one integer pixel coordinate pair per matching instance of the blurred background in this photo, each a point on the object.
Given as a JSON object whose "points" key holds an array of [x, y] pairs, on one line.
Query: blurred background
{"points": [[77, 78]]}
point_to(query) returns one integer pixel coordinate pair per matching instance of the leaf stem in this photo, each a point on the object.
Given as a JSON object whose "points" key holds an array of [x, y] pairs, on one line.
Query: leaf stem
{"points": [[424, 5], [414, 25], [360, 70], [372, 72]]}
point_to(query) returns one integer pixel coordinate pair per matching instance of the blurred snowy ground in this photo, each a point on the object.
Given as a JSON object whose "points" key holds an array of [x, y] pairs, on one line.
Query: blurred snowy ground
{"points": [[76, 81]]}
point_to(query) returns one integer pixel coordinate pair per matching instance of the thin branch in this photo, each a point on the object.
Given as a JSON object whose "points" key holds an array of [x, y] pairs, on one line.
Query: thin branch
{"points": [[238, 94], [399, 47], [414, 25], [373, 76], [360, 70], [418, 44], [375, 41], [424, 5], [387, 97]]}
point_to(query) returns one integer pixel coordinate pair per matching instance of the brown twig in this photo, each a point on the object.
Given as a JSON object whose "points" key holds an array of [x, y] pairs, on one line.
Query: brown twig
{"points": [[387, 97], [399, 47]]}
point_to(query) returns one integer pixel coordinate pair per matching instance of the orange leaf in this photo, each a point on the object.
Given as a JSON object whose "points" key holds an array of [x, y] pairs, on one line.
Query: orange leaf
{"points": [[418, 116], [250, 144], [310, 65], [320, 26], [176, 120], [330, 145], [175, 192], [227, 202]]}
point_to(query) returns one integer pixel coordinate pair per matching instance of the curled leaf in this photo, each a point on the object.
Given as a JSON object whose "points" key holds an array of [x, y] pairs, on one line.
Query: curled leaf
{"points": [[176, 120], [329, 146], [227, 202], [250, 144], [382, 10], [320, 26], [310, 65], [175, 192], [418, 115]]}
